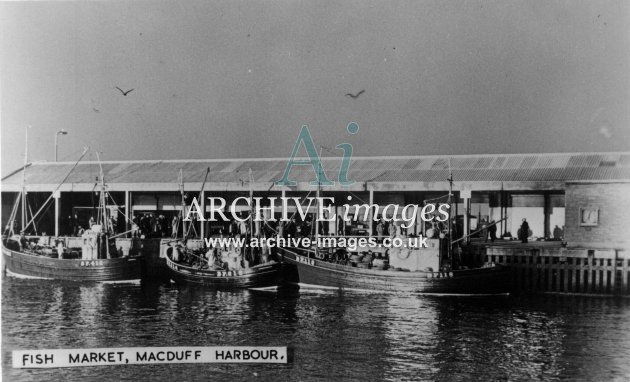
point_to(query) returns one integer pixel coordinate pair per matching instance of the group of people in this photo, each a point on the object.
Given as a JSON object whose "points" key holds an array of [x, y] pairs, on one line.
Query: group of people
{"points": [[489, 230], [229, 259], [153, 225], [385, 228], [305, 228], [75, 228]]}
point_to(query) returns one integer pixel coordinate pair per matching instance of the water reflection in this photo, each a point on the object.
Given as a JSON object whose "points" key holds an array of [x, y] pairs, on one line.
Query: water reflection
{"points": [[410, 328], [334, 335], [506, 339]]}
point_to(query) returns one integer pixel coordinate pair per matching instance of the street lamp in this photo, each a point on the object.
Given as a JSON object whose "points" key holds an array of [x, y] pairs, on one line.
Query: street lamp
{"points": [[62, 132]]}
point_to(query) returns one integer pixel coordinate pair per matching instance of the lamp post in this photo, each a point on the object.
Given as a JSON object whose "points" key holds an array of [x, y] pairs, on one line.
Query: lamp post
{"points": [[62, 132]]}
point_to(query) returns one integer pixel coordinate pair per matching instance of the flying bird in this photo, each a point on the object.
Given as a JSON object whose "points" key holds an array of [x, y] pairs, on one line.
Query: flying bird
{"points": [[124, 92], [354, 96]]}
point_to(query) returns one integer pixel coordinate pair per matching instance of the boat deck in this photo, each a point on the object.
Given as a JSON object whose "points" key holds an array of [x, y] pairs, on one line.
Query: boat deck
{"points": [[516, 244]]}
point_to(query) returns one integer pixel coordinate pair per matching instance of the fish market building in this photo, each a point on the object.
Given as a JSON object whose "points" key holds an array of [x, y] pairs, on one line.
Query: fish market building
{"points": [[576, 204], [582, 196]]}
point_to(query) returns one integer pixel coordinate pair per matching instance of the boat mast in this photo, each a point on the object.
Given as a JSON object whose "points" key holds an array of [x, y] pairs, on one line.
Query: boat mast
{"points": [[23, 196], [203, 187], [20, 200], [251, 209], [102, 205], [183, 209], [100, 217], [9, 228], [251, 216], [34, 215], [319, 186], [450, 223], [191, 227]]}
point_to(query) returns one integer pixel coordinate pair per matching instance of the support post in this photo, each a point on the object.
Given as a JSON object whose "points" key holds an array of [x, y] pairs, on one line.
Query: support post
{"points": [[505, 201], [454, 217], [128, 210], [466, 219], [56, 196], [502, 230], [547, 212]]}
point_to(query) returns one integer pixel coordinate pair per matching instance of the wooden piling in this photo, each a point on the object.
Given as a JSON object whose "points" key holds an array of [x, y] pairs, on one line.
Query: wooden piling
{"points": [[557, 269]]}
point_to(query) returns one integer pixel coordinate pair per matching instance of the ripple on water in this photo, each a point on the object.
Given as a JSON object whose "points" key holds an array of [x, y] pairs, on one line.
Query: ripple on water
{"points": [[334, 335]]}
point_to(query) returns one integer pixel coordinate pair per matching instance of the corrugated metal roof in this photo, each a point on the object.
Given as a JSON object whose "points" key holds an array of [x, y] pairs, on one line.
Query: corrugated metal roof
{"points": [[468, 168]]}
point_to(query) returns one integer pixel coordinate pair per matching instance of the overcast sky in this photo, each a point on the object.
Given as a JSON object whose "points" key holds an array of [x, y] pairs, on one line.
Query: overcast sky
{"points": [[229, 79]]}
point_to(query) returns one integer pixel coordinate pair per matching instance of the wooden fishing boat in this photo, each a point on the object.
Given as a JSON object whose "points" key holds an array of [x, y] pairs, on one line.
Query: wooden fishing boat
{"points": [[93, 257], [187, 262], [258, 276], [33, 264], [413, 269], [314, 272]]}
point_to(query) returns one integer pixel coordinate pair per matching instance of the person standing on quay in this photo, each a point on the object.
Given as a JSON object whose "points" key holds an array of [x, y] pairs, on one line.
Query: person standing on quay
{"points": [[380, 228], [484, 230], [524, 231], [493, 230]]}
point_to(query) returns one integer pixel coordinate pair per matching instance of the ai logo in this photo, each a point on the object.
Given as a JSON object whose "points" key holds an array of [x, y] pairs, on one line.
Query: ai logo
{"points": [[315, 162]]}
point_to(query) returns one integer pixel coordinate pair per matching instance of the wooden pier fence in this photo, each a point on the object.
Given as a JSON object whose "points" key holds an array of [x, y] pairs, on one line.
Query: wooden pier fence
{"points": [[558, 269]]}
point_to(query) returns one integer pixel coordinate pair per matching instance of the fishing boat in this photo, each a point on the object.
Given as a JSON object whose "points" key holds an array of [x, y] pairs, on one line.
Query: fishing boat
{"points": [[35, 264], [95, 256], [258, 276], [407, 269], [188, 261], [319, 272]]}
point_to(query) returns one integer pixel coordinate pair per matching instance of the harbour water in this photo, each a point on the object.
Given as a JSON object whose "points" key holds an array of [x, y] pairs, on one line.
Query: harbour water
{"points": [[333, 335]]}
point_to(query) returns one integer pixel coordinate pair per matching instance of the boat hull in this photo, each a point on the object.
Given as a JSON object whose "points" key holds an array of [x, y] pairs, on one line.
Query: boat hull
{"points": [[255, 277], [314, 272], [30, 265]]}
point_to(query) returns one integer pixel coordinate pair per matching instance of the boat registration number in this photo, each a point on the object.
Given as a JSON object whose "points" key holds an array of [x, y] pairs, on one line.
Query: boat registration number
{"points": [[92, 263], [305, 260], [229, 273]]}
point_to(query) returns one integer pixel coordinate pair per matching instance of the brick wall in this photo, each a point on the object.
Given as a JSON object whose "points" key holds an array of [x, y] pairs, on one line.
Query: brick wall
{"points": [[613, 202]]}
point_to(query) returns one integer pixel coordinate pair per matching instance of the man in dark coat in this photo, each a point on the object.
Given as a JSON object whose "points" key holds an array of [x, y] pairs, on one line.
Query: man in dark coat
{"points": [[291, 228], [524, 231], [493, 230]]}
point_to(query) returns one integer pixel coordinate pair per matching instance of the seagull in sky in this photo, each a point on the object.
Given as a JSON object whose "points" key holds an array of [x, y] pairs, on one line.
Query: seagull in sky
{"points": [[355, 96], [124, 92]]}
